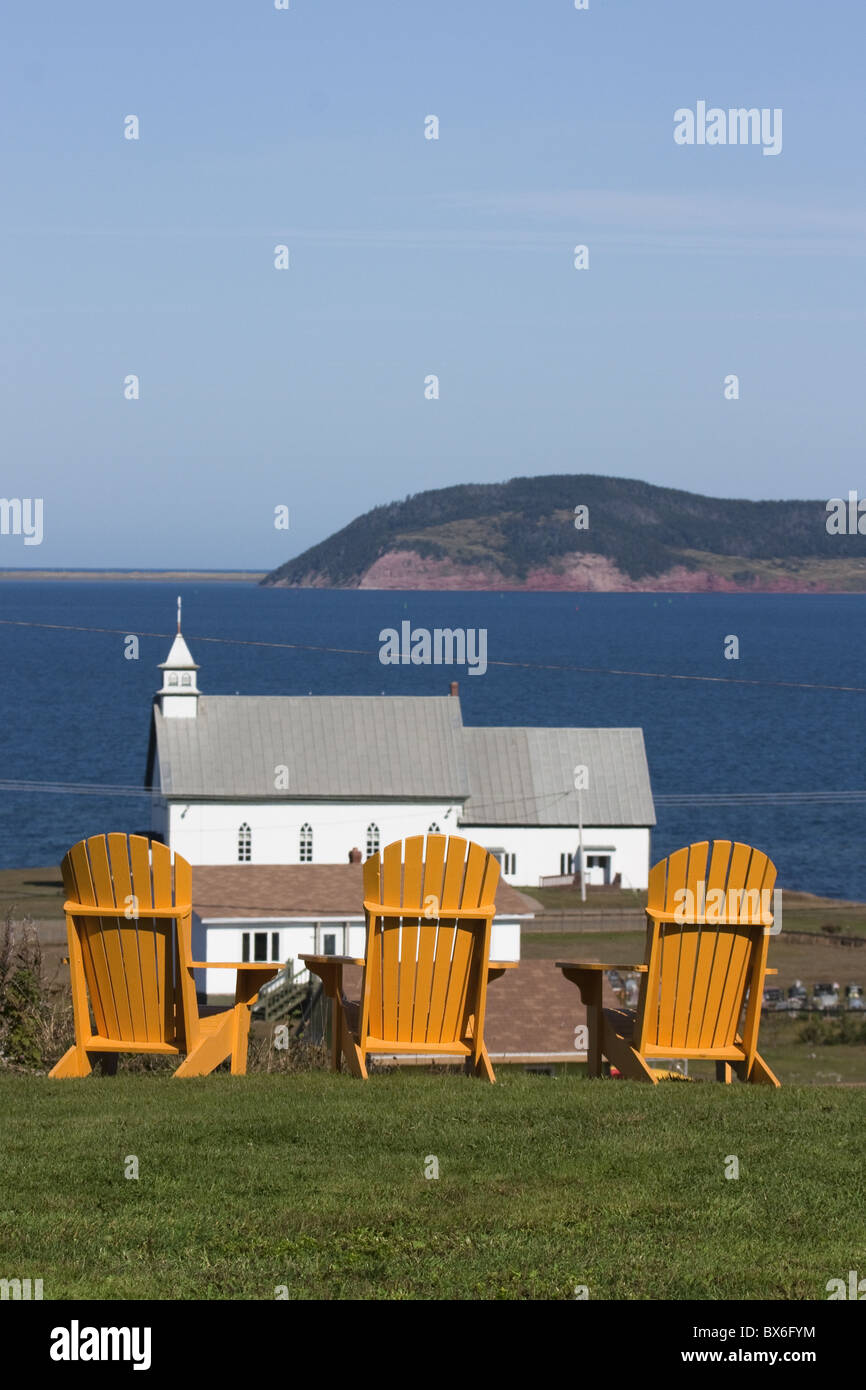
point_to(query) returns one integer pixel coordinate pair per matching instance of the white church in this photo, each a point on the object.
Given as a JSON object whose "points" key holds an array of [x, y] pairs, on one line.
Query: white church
{"points": [[275, 800]]}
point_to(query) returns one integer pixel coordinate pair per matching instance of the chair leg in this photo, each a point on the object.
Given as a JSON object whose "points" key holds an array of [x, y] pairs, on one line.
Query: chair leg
{"points": [[212, 1049], [723, 1072], [74, 1062], [353, 1053], [626, 1059], [336, 1033], [484, 1067], [761, 1074], [241, 1039]]}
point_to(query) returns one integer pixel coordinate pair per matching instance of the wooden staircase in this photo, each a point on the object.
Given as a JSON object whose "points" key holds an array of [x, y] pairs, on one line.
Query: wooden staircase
{"points": [[288, 999]]}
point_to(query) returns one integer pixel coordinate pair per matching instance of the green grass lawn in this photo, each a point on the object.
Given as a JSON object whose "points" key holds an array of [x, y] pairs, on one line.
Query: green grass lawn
{"points": [[316, 1182]]}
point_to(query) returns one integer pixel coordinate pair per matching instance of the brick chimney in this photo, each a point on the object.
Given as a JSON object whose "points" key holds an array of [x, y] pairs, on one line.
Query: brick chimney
{"points": [[354, 856], [455, 688]]}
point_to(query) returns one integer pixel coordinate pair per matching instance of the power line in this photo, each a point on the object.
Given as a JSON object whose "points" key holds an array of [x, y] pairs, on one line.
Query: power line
{"points": [[513, 665], [759, 798], [75, 788]]}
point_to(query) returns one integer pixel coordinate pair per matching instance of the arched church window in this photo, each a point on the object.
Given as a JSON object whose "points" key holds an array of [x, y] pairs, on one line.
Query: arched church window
{"points": [[245, 844], [372, 839], [306, 844]]}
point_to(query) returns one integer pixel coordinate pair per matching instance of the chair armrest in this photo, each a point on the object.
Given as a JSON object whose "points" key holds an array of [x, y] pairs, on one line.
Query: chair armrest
{"points": [[330, 971], [388, 910], [502, 964], [597, 965], [235, 965], [331, 960], [763, 920], [771, 970], [88, 910]]}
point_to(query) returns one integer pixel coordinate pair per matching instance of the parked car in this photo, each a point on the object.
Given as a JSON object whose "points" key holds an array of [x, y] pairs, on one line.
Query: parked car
{"points": [[825, 997], [854, 997], [773, 999], [798, 996]]}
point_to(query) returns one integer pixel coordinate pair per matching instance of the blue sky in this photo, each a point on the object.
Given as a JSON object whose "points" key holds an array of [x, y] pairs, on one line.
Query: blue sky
{"points": [[410, 257]]}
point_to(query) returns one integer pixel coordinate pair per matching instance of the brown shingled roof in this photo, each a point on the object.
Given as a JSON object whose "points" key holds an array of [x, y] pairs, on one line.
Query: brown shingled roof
{"points": [[299, 890]]}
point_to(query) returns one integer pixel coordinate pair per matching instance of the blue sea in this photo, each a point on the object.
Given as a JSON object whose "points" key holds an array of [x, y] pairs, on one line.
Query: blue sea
{"points": [[76, 710]]}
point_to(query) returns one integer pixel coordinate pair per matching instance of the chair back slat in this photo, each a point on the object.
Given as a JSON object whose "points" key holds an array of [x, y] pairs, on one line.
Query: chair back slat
{"points": [[413, 883], [134, 968], [151, 945], [431, 892], [78, 885]]}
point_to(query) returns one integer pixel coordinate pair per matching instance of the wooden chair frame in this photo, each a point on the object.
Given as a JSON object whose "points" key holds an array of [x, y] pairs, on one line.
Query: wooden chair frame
{"points": [[429, 903], [699, 972], [129, 925]]}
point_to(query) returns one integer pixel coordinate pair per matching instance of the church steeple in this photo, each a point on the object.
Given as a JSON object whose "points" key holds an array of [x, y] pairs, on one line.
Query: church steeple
{"points": [[179, 694]]}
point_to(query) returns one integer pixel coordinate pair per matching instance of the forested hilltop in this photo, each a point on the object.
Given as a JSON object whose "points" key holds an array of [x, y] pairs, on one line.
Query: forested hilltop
{"points": [[582, 531]]}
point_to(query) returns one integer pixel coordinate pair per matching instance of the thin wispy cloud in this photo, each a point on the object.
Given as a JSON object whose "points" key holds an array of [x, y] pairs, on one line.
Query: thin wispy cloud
{"points": [[657, 221]]}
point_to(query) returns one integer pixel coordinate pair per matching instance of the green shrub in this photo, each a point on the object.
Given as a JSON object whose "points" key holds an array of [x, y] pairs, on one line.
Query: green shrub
{"points": [[827, 1032], [24, 1007]]}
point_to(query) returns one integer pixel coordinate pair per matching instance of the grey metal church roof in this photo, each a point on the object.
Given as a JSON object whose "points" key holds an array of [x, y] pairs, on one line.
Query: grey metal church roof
{"points": [[362, 747], [352, 746], [525, 776]]}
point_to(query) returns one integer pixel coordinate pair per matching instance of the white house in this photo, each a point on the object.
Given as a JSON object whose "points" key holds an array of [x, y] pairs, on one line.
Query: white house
{"points": [[250, 780], [277, 912]]}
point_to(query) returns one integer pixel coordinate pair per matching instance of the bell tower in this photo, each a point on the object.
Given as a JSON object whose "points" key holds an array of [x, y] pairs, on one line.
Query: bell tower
{"points": [[178, 697]]}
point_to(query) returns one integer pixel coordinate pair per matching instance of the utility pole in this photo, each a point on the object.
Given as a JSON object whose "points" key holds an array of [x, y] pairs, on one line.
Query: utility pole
{"points": [[580, 848], [580, 775]]}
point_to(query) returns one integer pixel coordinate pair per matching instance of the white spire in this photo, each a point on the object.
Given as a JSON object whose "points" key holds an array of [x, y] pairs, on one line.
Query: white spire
{"points": [[179, 693]]}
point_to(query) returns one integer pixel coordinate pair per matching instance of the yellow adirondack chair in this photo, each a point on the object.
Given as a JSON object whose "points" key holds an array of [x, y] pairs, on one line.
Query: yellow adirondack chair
{"points": [[128, 922], [426, 963], [706, 951]]}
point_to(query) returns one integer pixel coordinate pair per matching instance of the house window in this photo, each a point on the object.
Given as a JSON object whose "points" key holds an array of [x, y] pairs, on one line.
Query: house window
{"points": [[275, 945], [306, 844], [509, 863], [260, 945], [433, 829], [245, 844], [372, 840], [330, 938], [566, 864]]}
